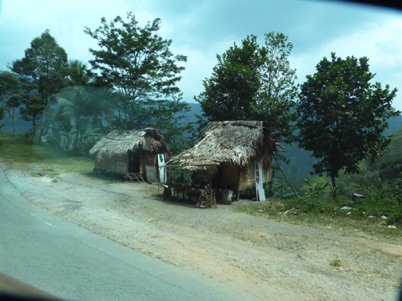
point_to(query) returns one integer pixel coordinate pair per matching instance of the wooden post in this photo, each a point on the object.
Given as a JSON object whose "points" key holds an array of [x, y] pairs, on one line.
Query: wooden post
{"points": [[238, 184], [286, 178]]}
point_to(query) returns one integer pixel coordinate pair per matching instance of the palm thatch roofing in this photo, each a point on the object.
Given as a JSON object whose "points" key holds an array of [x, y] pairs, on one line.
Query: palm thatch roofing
{"points": [[236, 142], [120, 142]]}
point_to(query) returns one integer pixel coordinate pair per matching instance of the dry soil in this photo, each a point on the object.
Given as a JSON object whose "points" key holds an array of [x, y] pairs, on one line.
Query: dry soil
{"points": [[270, 260]]}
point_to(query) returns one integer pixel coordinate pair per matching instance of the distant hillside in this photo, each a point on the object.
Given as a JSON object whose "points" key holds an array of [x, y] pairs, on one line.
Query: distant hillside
{"points": [[301, 161], [195, 109], [394, 123]]}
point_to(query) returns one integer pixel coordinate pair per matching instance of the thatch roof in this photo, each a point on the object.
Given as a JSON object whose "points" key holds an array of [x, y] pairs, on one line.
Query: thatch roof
{"points": [[234, 142], [120, 142]]}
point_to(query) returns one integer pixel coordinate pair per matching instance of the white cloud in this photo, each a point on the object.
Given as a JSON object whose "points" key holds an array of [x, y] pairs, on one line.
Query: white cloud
{"points": [[379, 41], [199, 65], [25, 20], [205, 28]]}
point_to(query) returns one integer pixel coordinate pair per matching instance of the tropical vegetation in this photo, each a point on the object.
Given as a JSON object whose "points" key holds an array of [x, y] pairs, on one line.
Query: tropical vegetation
{"points": [[338, 115]]}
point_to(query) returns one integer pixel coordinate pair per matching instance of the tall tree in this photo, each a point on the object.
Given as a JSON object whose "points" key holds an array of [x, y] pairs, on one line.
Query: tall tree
{"points": [[342, 115], [44, 68], [276, 97], [253, 82], [10, 86], [233, 87], [138, 66]]}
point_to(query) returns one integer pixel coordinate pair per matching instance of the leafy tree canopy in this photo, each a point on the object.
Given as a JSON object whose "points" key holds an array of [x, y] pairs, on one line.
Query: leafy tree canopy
{"points": [[342, 115], [10, 88], [137, 64], [43, 69], [78, 73], [45, 63], [253, 82]]}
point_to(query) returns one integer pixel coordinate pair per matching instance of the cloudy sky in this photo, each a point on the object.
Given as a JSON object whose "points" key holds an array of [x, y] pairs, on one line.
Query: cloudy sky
{"points": [[202, 29]]}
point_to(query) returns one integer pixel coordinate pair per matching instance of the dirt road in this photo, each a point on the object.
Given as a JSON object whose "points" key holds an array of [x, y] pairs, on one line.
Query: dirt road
{"points": [[271, 260]]}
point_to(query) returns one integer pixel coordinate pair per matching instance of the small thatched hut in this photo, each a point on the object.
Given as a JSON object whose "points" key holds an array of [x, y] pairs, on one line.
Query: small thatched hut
{"points": [[130, 153], [230, 153]]}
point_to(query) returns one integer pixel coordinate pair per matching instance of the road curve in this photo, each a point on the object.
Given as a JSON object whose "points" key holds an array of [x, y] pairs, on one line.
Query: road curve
{"points": [[72, 263]]}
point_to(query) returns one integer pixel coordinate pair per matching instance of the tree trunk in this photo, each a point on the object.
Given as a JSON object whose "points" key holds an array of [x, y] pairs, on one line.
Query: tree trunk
{"points": [[11, 113], [333, 182], [13, 122], [285, 177]]}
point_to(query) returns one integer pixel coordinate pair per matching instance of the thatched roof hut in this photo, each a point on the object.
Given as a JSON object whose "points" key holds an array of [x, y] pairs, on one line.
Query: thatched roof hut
{"points": [[130, 152], [230, 148]]}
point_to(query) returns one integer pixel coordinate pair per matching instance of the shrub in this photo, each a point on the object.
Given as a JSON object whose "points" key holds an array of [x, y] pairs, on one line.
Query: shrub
{"points": [[317, 188]]}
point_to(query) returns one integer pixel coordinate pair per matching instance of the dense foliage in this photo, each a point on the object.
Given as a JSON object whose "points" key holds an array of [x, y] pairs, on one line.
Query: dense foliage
{"points": [[137, 64], [10, 86], [253, 82], [342, 115], [73, 117], [43, 71], [132, 83]]}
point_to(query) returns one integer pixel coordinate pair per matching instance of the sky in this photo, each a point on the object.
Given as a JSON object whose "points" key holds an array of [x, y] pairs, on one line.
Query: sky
{"points": [[203, 29]]}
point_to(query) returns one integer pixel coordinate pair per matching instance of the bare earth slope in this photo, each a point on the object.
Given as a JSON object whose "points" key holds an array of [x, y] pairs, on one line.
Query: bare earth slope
{"points": [[270, 260]]}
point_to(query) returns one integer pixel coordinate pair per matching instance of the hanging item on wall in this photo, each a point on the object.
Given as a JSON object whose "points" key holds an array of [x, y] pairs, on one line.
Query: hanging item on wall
{"points": [[162, 168], [259, 188]]}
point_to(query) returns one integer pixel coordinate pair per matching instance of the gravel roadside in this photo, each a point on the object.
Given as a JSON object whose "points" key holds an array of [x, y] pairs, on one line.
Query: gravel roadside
{"points": [[271, 260]]}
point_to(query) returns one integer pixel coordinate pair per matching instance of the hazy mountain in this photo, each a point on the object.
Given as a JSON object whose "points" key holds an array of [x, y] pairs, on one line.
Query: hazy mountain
{"points": [[394, 124]]}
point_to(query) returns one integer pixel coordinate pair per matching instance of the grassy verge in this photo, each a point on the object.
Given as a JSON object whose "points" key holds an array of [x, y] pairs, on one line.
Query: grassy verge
{"points": [[333, 218], [22, 154]]}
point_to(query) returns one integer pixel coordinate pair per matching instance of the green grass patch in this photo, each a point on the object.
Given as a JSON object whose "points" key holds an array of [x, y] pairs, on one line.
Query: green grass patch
{"points": [[325, 214], [21, 153], [336, 262]]}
